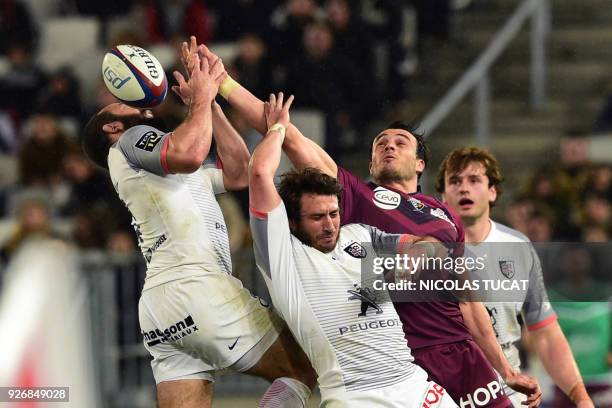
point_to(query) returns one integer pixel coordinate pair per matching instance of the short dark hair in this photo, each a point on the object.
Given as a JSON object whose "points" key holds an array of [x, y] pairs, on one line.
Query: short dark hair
{"points": [[294, 184], [422, 152], [457, 160], [95, 143]]}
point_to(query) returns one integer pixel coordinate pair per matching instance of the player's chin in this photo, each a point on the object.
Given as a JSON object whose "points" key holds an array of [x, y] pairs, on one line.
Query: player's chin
{"points": [[326, 243]]}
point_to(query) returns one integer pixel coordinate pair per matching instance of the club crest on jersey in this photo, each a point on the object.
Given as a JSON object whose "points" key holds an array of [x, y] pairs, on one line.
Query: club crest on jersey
{"points": [[506, 267], [356, 250], [148, 141], [367, 298], [417, 204], [438, 212], [386, 199]]}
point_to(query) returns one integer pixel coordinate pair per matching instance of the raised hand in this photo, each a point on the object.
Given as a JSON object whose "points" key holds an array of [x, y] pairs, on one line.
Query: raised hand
{"points": [[188, 51], [276, 111], [203, 83]]}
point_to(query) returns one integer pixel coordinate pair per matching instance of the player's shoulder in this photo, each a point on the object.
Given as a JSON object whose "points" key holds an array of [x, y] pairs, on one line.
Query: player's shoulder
{"points": [[428, 199], [356, 231], [144, 137], [503, 233]]}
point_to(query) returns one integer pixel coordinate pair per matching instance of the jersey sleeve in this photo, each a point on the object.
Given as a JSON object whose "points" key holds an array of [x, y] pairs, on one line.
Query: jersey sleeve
{"points": [[537, 310], [383, 242], [349, 199], [273, 247], [145, 148]]}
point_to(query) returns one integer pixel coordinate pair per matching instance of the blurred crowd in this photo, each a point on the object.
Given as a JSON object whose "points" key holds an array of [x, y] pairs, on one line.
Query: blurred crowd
{"points": [[324, 51], [347, 59], [566, 199]]}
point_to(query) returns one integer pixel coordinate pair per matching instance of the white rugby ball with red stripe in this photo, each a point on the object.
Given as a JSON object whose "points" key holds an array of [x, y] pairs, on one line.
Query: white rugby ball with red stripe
{"points": [[134, 76]]}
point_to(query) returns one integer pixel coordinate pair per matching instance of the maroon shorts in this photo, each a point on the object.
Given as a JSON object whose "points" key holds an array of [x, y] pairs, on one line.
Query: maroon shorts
{"points": [[465, 372], [601, 394]]}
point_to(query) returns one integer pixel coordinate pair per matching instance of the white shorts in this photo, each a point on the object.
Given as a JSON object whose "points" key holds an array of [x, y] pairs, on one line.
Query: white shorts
{"points": [[198, 326], [413, 392]]}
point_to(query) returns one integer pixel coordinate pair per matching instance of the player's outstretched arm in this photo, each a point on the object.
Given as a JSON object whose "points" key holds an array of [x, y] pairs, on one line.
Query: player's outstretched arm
{"points": [[479, 324], [302, 151], [189, 144], [231, 149], [263, 196], [554, 351]]}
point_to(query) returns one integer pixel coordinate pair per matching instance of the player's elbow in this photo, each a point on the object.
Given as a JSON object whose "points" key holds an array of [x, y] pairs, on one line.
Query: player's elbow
{"points": [[258, 171]]}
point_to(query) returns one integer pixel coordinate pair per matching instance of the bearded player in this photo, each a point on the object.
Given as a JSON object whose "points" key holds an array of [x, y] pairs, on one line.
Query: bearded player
{"points": [[197, 320], [312, 268], [442, 335], [469, 180]]}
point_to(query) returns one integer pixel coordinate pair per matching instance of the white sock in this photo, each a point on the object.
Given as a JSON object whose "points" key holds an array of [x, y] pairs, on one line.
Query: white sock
{"points": [[285, 392]]}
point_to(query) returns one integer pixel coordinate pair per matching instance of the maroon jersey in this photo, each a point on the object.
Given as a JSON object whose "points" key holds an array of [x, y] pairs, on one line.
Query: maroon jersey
{"points": [[425, 323]]}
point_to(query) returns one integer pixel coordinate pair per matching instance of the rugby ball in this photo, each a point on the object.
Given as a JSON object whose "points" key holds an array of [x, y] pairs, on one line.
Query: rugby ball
{"points": [[134, 76]]}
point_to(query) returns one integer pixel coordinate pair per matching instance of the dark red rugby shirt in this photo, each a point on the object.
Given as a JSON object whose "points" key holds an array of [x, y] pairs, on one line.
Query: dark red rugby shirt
{"points": [[425, 323]]}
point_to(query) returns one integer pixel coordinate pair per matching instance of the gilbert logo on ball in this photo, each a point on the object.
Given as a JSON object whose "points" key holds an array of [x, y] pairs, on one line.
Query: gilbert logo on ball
{"points": [[134, 76]]}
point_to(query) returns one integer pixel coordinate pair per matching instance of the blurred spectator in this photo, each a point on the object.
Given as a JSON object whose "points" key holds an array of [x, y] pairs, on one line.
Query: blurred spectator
{"points": [[541, 225], [103, 10], [252, 67], [391, 29], [352, 40], [322, 79], [20, 85], [62, 95], [8, 133], [121, 242], [573, 167], [594, 234], [236, 18], [102, 98], [88, 187], [91, 228], [164, 20], [595, 211], [518, 213], [33, 221], [288, 24], [42, 155], [600, 181], [16, 26]]}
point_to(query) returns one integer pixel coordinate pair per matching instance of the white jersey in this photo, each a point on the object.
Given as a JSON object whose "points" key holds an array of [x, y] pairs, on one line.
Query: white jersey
{"points": [[180, 227], [511, 256], [352, 336]]}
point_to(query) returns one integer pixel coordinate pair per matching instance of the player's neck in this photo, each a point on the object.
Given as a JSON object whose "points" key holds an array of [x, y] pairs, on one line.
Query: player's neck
{"points": [[405, 186], [477, 231]]}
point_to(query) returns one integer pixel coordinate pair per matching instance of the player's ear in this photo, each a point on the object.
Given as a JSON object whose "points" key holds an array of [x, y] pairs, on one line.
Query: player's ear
{"points": [[113, 127], [492, 194], [420, 165]]}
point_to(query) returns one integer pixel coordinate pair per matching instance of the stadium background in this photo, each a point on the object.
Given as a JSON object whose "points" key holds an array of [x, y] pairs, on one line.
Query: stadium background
{"points": [[353, 65]]}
